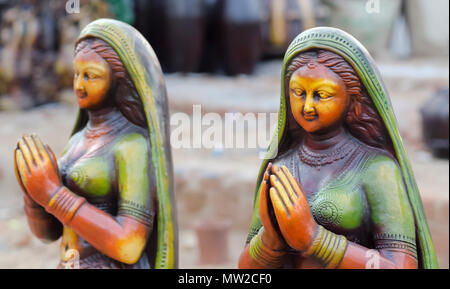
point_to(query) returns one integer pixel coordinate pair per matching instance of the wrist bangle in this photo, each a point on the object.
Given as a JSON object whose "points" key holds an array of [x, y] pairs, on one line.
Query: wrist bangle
{"points": [[328, 247], [64, 204], [264, 255]]}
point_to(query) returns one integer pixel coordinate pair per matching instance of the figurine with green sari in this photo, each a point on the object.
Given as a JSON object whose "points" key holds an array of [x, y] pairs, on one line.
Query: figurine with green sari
{"points": [[110, 195], [336, 189]]}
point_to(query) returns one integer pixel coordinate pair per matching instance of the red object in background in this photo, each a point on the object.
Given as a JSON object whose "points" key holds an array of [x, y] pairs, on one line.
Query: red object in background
{"points": [[212, 239]]}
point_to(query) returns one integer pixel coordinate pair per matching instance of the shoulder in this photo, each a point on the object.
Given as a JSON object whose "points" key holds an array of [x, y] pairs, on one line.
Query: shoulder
{"points": [[386, 192], [387, 197], [384, 185], [380, 165], [131, 142], [73, 140], [285, 159], [76, 136]]}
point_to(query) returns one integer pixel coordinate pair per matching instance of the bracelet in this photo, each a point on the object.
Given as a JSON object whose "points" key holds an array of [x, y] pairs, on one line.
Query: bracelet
{"points": [[64, 204], [328, 247], [263, 255], [396, 242]]}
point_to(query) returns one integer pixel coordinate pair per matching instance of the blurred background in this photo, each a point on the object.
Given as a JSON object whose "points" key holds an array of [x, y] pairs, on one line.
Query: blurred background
{"points": [[225, 55]]}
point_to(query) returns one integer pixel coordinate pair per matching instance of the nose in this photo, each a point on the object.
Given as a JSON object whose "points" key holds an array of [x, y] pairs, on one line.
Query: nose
{"points": [[78, 84], [309, 108]]}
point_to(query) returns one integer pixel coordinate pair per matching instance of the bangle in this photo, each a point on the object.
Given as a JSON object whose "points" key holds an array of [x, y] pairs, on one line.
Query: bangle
{"points": [[328, 247], [263, 255], [64, 204]]}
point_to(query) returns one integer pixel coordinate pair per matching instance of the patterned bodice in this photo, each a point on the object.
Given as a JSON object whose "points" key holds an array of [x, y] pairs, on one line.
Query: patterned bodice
{"points": [[340, 205]]}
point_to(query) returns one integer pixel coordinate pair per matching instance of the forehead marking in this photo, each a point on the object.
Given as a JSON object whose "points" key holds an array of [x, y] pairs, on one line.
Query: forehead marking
{"points": [[312, 65]]}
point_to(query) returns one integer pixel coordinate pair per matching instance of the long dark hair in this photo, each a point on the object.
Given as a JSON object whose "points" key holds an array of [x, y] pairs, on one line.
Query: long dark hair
{"points": [[362, 119], [125, 94]]}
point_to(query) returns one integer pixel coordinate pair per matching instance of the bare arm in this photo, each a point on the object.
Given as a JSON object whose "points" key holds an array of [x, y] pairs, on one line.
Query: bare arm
{"points": [[123, 237]]}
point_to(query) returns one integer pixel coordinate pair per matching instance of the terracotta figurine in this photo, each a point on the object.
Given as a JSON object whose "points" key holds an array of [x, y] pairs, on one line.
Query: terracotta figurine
{"points": [[337, 189], [110, 194]]}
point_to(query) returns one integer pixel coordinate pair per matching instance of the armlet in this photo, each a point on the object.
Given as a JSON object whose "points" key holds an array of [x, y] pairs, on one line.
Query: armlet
{"points": [[136, 211], [396, 242]]}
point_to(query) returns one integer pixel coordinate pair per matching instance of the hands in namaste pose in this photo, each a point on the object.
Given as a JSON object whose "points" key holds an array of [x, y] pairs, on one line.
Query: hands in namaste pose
{"points": [[293, 216], [36, 169]]}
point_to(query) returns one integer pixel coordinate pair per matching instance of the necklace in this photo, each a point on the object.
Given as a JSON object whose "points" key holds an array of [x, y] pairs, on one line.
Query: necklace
{"points": [[319, 159]]}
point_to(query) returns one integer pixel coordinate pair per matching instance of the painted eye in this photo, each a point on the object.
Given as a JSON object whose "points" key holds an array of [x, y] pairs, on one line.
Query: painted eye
{"points": [[298, 92], [323, 94], [90, 76]]}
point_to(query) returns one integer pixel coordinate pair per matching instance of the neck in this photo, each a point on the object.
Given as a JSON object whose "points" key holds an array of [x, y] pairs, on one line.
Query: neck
{"points": [[99, 117], [326, 140]]}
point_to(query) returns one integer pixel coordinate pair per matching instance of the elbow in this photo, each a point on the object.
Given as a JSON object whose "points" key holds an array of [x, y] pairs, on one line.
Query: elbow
{"points": [[129, 250], [241, 262], [48, 238], [46, 234], [244, 259]]}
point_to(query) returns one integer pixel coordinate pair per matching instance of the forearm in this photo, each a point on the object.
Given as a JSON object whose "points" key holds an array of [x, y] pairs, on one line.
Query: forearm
{"points": [[334, 251], [359, 257], [122, 239], [42, 224]]}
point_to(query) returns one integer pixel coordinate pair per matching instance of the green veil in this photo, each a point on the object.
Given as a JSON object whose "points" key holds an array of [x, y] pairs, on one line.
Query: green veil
{"points": [[343, 44], [145, 72]]}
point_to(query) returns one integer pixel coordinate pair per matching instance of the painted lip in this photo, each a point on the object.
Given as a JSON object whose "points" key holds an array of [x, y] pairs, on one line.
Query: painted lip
{"points": [[310, 117], [81, 94]]}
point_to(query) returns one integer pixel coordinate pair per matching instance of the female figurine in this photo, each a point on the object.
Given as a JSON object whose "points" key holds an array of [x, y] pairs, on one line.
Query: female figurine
{"points": [[110, 195], [337, 190]]}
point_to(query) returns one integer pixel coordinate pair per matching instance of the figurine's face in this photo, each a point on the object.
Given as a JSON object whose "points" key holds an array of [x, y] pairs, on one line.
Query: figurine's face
{"points": [[92, 79], [318, 97]]}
